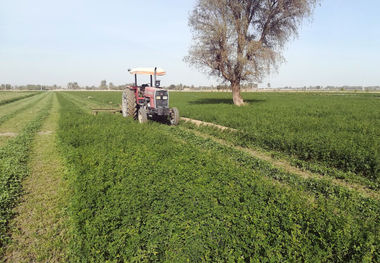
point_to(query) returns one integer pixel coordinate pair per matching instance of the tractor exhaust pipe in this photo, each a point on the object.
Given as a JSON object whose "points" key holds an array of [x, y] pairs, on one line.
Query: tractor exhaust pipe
{"points": [[155, 76]]}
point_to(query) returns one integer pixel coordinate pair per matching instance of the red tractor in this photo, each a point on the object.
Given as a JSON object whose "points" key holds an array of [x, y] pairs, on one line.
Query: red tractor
{"points": [[148, 101]]}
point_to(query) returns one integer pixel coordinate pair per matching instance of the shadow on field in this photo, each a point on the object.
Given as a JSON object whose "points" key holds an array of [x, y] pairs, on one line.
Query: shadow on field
{"points": [[221, 101]]}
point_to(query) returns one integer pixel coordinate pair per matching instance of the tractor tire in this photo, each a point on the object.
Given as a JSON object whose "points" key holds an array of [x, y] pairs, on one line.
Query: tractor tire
{"points": [[142, 115], [174, 116], [128, 104]]}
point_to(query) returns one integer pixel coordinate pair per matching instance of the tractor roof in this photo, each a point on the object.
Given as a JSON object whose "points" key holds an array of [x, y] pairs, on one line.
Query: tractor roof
{"points": [[147, 71]]}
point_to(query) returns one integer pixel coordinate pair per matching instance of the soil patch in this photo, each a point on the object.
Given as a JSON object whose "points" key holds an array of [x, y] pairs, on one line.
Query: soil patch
{"points": [[45, 132], [8, 134], [198, 123]]}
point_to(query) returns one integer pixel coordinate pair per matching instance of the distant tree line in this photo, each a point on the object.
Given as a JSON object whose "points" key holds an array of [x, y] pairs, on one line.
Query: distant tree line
{"points": [[220, 87], [333, 88], [29, 87], [103, 86], [180, 87]]}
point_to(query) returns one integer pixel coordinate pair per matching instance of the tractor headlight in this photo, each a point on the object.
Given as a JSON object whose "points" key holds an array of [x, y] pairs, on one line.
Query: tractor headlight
{"points": [[165, 97], [158, 97]]}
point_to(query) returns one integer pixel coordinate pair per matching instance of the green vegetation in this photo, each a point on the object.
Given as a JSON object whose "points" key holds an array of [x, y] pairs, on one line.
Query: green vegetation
{"points": [[11, 96], [100, 98], [154, 192], [13, 168], [20, 107], [15, 121], [323, 131], [158, 193], [90, 100], [335, 134], [39, 230]]}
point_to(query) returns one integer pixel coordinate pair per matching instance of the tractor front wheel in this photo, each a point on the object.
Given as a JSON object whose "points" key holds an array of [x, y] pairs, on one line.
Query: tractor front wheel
{"points": [[142, 115], [174, 116]]}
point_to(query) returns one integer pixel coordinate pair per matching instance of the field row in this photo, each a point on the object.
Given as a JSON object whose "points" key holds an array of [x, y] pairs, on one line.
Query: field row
{"points": [[11, 96], [13, 162], [159, 193]]}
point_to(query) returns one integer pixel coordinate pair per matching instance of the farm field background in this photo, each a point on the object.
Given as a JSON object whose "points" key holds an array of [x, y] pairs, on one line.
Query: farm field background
{"points": [[334, 134], [336, 131], [158, 193]]}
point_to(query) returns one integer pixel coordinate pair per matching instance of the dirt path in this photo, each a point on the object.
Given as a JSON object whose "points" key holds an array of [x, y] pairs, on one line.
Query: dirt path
{"points": [[39, 231], [286, 166]]}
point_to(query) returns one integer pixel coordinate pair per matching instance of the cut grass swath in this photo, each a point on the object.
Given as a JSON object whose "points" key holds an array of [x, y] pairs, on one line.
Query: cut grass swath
{"points": [[13, 168]]}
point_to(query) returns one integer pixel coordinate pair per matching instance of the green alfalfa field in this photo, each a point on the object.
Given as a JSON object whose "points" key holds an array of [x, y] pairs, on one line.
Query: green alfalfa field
{"points": [[295, 179]]}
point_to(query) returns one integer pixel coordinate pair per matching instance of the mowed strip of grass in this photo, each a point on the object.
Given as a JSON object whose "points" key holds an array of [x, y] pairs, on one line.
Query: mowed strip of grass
{"points": [[39, 231], [14, 168], [90, 100], [22, 117], [141, 195], [10, 108], [112, 99], [8, 97], [14, 113]]}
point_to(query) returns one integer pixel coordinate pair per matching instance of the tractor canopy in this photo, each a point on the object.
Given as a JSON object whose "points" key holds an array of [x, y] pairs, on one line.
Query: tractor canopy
{"points": [[147, 71]]}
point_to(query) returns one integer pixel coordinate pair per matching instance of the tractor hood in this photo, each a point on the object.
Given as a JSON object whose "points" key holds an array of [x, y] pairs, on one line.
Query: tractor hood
{"points": [[147, 71]]}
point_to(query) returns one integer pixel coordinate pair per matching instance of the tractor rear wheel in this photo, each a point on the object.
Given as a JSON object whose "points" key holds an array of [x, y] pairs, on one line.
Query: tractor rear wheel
{"points": [[143, 115], [174, 116], [128, 103]]}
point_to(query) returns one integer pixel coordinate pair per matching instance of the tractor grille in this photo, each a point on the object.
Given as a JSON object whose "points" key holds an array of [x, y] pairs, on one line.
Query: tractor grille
{"points": [[162, 103], [162, 99]]}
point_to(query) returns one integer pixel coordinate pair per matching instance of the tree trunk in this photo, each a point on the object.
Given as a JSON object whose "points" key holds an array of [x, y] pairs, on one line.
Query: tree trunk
{"points": [[238, 100]]}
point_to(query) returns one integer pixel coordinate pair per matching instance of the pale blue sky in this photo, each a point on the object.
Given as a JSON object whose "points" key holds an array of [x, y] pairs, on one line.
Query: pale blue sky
{"points": [[55, 42]]}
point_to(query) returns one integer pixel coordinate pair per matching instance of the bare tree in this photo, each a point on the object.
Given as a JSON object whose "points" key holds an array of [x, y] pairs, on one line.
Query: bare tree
{"points": [[241, 40]]}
